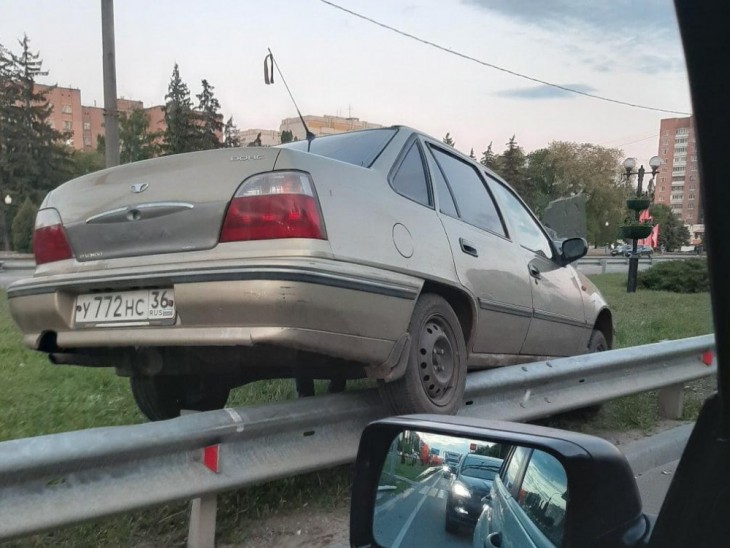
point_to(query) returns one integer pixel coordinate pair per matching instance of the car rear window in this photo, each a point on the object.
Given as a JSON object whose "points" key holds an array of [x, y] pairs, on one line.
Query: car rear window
{"points": [[360, 148]]}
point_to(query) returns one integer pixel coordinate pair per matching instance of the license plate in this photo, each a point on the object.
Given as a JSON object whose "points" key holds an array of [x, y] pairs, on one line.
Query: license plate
{"points": [[142, 307]]}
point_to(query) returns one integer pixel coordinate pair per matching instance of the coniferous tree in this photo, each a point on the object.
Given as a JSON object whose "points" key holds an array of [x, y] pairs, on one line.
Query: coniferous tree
{"points": [[448, 140], [489, 158], [181, 133], [471, 154], [230, 135], [286, 136], [210, 119], [511, 166], [136, 142], [256, 142]]}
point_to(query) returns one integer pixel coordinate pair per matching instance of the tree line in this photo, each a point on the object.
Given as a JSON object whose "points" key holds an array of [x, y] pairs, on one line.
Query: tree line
{"points": [[36, 157], [564, 169]]}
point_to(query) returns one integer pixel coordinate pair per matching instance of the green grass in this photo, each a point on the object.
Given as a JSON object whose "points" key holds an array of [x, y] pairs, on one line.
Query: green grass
{"points": [[641, 318], [39, 398]]}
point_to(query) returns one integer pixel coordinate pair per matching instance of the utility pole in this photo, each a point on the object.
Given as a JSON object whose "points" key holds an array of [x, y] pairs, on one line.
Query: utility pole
{"points": [[111, 116]]}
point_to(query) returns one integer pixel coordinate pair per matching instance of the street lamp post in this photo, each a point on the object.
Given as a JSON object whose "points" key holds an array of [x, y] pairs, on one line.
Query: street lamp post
{"points": [[6, 239], [642, 202]]}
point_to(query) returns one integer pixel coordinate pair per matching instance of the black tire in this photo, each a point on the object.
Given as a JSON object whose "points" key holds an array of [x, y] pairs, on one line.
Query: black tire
{"points": [[450, 525], [597, 342], [305, 386], [436, 371], [162, 397]]}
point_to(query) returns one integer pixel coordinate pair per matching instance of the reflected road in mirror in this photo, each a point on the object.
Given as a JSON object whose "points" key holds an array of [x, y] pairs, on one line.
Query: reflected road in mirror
{"points": [[441, 490]]}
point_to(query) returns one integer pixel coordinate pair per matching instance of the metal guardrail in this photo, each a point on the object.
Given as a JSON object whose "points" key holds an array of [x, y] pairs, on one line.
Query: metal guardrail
{"points": [[50, 481]]}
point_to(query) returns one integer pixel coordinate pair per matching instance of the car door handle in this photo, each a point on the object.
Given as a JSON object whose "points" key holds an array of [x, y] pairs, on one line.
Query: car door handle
{"points": [[494, 539], [468, 248], [534, 271]]}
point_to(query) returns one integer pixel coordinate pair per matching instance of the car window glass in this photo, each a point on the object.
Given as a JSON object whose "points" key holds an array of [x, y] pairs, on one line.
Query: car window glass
{"points": [[410, 179], [515, 464], [528, 231], [358, 147], [446, 201], [476, 206], [543, 495], [476, 467]]}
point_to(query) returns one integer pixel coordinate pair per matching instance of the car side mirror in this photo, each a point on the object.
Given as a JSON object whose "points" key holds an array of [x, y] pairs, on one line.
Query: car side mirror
{"points": [[561, 487], [573, 249]]}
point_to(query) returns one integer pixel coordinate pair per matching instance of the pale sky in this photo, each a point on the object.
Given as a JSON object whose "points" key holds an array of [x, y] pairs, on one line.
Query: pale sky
{"points": [[338, 64]]}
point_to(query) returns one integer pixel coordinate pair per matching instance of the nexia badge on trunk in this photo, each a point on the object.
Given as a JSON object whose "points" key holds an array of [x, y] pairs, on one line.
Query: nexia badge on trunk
{"points": [[139, 187]]}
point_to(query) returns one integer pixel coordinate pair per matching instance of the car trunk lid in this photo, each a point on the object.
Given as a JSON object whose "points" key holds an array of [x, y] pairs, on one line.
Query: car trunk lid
{"points": [[164, 205]]}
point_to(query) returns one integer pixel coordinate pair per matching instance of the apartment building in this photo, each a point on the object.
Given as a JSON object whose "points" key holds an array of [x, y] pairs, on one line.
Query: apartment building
{"points": [[678, 180], [323, 125], [85, 124]]}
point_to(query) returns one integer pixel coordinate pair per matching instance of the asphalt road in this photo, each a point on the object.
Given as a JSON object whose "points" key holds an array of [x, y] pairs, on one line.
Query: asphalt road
{"points": [[416, 517]]}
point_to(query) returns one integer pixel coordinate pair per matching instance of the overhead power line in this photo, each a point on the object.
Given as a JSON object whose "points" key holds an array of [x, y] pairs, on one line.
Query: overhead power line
{"points": [[496, 67]]}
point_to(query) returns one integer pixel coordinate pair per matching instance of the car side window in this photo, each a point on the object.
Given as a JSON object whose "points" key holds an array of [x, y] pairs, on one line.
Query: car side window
{"points": [[511, 474], [475, 204], [446, 200], [410, 178], [543, 495], [529, 233]]}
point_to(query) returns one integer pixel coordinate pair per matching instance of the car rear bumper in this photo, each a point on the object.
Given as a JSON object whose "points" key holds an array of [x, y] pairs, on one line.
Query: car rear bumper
{"points": [[331, 307]]}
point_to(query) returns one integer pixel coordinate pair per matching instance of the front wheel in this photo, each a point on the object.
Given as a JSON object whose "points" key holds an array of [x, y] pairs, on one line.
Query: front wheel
{"points": [[435, 375], [162, 397]]}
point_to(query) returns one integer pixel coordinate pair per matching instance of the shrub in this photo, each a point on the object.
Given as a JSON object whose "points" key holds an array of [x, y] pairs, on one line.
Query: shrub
{"points": [[688, 276], [22, 227]]}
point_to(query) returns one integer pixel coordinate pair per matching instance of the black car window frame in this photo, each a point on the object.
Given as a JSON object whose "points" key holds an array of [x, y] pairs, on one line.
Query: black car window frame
{"points": [[431, 147], [407, 147], [537, 223], [514, 487], [434, 171]]}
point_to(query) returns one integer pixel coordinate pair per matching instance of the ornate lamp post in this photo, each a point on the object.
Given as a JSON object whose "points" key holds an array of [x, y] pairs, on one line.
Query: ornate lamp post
{"points": [[634, 229]]}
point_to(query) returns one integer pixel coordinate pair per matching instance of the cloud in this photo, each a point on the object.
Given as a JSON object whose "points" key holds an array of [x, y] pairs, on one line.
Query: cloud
{"points": [[545, 92], [614, 17], [604, 35]]}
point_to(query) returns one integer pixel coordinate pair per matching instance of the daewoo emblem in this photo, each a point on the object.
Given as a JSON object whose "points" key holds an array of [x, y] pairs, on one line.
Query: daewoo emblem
{"points": [[139, 187]]}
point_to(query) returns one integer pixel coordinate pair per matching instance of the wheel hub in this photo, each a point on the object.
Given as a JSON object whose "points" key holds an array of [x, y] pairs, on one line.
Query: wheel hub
{"points": [[437, 360]]}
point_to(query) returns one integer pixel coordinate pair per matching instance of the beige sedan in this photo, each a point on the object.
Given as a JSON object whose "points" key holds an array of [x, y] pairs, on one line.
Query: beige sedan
{"points": [[379, 253]]}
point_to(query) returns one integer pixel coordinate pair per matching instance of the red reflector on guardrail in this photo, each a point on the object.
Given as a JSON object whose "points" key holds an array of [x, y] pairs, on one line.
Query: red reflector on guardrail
{"points": [[707, 357], [210, 457]]}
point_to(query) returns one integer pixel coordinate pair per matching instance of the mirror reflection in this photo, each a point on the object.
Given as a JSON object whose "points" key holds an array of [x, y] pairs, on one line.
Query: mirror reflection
{"points": [[438, 490]]}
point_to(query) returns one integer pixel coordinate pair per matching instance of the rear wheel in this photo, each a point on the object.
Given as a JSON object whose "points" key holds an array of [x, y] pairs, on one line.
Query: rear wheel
{"points": [[162, 397], [436, 371]]}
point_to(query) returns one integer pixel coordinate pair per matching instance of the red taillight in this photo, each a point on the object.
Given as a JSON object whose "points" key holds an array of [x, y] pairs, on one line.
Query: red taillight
{"points": [[280, 204], [49, 238]]}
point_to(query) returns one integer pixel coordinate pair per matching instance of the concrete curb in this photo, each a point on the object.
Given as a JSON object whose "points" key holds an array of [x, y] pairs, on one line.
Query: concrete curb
{"points": [[657, 450]]}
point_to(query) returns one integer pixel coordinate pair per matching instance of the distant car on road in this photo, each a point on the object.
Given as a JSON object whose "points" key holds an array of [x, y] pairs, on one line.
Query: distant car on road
{"points": [[472, 482], [627, 250], [620, 250]]}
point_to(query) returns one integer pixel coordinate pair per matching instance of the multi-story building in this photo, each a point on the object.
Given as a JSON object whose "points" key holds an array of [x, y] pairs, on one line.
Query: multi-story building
{"points": [[269, 137], [678, 180], [323, 125], [84, 124]]}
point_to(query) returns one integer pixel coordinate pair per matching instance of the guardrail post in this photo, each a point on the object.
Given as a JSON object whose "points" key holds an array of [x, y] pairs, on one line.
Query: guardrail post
{"points": [[202, 522], [604, 262], [671, 401]]}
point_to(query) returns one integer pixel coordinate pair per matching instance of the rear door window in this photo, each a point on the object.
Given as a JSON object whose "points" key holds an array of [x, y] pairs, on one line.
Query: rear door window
{"points": [[473, 200], [410, 177]]}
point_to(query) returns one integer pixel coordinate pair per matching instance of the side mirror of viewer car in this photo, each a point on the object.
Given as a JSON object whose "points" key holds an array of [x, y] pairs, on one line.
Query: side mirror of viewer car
{"points": [[573, 249], [515, 484]]}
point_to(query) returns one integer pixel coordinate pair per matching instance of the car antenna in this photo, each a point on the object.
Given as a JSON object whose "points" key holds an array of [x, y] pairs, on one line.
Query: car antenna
{"points": [[269, 64]]}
